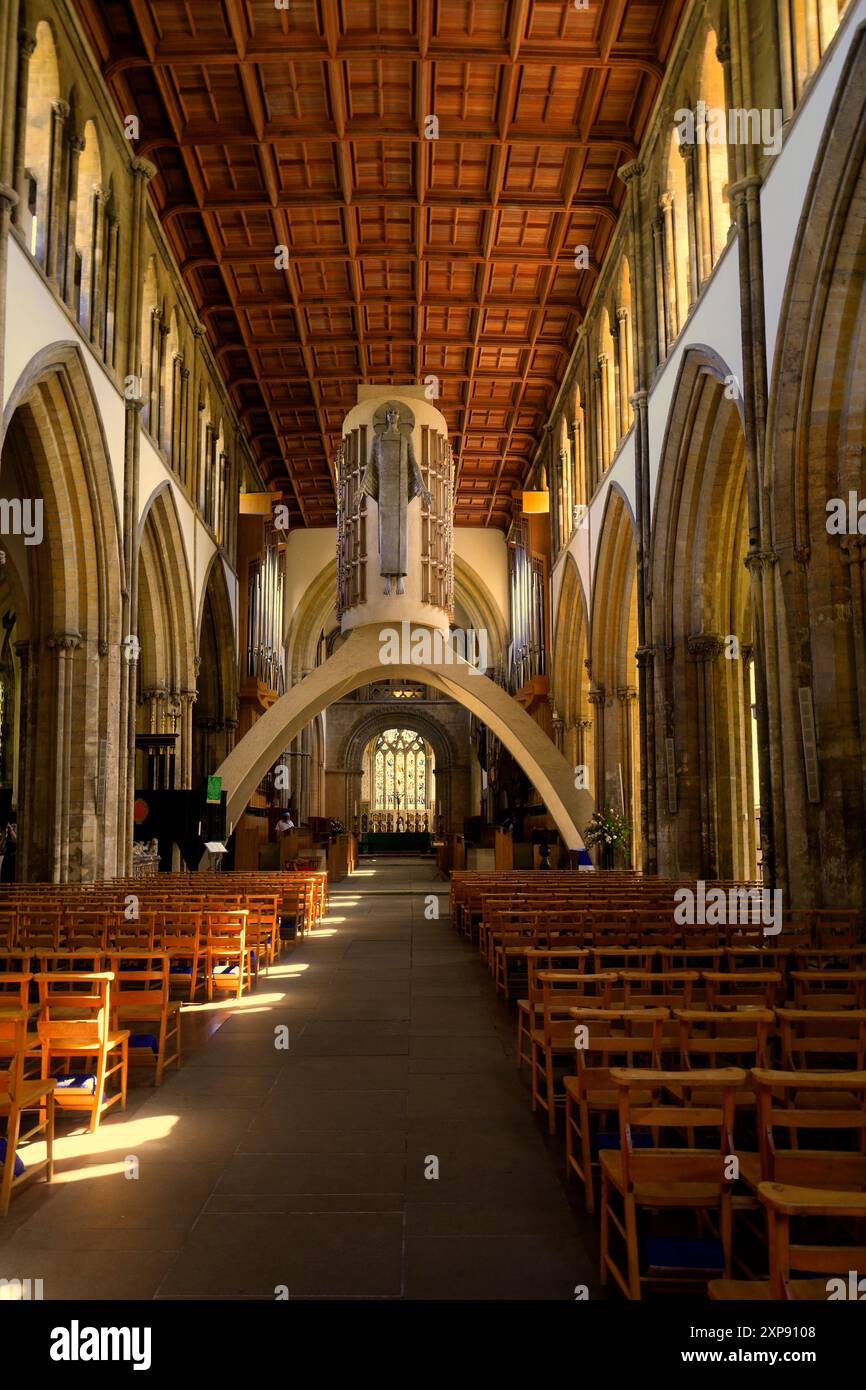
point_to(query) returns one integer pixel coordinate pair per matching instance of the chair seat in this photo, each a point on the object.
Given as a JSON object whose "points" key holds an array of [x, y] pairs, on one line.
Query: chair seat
{"points": [[556, 1044], [25, 1093], [602, 1098], [669, 1193], [61, 1048]]}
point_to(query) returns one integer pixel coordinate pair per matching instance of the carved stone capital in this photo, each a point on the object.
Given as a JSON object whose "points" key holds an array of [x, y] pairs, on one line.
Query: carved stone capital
{"points": [[60, 109], [645, 656], [666, 199], [626, 693], [597, 697], [760, 559], [26, 43], [723, 51], [631, 171], [63, 641], [622, 314], [705, 646], [142, 168]]}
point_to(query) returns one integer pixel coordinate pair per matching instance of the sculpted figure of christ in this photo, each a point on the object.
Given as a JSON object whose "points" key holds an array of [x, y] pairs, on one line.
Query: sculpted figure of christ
{"points": [[393, 479]]}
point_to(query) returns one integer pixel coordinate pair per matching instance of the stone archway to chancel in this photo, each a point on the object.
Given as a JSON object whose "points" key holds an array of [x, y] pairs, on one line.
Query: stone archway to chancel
{"points": [[358, 662], [444, 725]]}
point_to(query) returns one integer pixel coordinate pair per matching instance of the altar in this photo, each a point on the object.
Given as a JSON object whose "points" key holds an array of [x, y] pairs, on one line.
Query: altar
{"points": [[396, 842]]}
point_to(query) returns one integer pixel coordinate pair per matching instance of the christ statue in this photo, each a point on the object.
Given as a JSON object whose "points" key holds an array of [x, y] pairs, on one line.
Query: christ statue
{"points": [[393, 478]]}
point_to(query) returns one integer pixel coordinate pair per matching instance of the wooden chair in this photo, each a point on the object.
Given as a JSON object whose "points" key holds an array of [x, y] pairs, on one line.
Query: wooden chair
{"points": [[228, 963], [19, 1097], [659, 1179], [181, 938], [784, 1204], [561, 990], [529, 1010], [787, 1105], [822, 1039], [741, 989], [75, 1021], [829, 989], [140, 996], [612, 1037]]}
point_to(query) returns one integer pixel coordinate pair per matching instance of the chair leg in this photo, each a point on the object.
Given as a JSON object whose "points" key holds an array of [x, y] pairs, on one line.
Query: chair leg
{"points": [[604, 1230], [631, 1247], [49, 1140], [551, 1098], [12, 1129]]}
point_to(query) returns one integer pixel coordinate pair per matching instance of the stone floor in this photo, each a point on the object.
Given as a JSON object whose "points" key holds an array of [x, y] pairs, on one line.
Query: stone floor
{"points": [[304, 1169]]}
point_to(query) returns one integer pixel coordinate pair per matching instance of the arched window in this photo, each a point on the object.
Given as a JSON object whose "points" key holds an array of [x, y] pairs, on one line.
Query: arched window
{"points": [[43, 92], [399, 775], [89, 219], [149, 344]]}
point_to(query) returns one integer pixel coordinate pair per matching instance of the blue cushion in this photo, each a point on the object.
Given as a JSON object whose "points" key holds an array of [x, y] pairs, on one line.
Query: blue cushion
{"points": [[180, 970], [611, 1141], [144, 1040], [684, 1252], [226, 970], [76, 1081], [17, 1167]]}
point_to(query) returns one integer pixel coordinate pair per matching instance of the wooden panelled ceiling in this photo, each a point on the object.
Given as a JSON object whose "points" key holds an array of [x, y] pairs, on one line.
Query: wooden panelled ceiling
{"points": [[408, 257]]}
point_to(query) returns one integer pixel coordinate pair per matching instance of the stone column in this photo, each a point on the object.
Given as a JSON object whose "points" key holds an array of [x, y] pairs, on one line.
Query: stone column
{"points": [[604, 412], [674, 311], [96, 327], [705, 648], [25, 749], [746, 200], [622, 338], [64, 644], [597, 699], [76, 149], [54, 215], [687, 153], [619, 386], [112, 243], [661, 298], [26, 46]]}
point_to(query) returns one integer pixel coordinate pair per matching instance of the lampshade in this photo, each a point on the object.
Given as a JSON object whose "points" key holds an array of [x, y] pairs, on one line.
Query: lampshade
{"points": [[536, 501]]}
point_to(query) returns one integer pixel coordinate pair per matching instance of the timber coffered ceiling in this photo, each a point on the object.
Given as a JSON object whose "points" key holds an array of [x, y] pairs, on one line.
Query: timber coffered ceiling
{"points": [[408, 257]]}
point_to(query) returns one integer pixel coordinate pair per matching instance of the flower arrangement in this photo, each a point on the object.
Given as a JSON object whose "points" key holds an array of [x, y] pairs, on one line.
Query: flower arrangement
{"points": [[609, 830], [337, 827]]}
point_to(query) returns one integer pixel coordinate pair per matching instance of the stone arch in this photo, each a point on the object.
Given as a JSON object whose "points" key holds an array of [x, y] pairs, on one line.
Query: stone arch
{"points": [[358, 662], [815, 453], [216, 710], [449, 762], [166, 631], [702, 620], [68, 624], [571, 684], [613, 644]]}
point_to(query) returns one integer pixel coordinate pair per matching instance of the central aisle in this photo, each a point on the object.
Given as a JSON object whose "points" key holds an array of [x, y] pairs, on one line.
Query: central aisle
{"points": [[304, 1169]]}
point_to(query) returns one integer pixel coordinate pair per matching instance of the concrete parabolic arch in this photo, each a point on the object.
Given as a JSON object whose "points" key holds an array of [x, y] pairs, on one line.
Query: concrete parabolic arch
{"points": [[358, 661]]}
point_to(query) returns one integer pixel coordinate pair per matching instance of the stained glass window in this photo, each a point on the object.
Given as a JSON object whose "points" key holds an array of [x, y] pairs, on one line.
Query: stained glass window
{"points": [[401, 764]]}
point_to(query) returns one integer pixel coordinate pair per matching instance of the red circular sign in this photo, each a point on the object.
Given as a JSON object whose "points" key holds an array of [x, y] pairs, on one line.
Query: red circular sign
{"points": [[140, 811]]}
